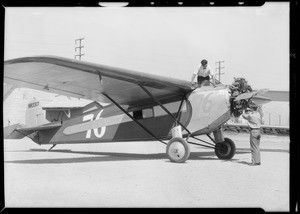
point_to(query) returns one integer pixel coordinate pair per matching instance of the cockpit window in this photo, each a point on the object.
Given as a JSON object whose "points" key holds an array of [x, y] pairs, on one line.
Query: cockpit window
{"points": [[142, 114]]}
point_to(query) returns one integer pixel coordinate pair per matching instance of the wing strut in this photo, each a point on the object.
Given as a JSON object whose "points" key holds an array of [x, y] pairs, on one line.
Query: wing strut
{"points": [[179, 109], [164, 108], [136, 121], [122, 109]]}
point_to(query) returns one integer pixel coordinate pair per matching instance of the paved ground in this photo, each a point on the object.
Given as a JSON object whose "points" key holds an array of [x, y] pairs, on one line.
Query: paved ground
{"points": [[138, 174]]}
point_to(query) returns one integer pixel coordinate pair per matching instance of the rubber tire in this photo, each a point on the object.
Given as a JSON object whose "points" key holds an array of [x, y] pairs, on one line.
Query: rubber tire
{"points": [[225, 155], [186, 146]]}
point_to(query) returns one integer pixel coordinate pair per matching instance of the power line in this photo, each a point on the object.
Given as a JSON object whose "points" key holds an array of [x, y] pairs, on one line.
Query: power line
{"points": [[78, 47]]}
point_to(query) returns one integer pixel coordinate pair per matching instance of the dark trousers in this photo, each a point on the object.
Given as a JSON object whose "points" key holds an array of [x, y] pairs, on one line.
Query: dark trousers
{"points": [[254, 145], [202, 80]]}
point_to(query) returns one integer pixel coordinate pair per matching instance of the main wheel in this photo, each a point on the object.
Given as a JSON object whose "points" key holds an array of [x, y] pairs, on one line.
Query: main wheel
{"points": [[225, 150], [178, 150]]}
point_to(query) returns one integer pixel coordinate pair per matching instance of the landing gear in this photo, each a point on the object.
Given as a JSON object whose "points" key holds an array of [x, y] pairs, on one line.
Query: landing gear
{"points": [[178, 150], [225, 150]]}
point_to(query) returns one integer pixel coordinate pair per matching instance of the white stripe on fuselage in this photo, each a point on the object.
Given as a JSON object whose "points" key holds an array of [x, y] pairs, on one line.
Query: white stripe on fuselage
{"points": [[101, 122], [98, 122]]}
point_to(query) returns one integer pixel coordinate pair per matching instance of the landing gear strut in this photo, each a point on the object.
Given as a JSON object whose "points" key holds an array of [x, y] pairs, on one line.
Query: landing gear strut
{"points": [[224, 147]]}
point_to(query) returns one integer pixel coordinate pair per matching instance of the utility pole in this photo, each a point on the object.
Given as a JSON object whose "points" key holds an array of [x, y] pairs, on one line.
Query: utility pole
{"points": [[78, 47], [219, 68]]}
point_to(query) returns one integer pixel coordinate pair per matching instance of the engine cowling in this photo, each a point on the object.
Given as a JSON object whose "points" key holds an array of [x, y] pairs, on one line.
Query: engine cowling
{"points": [[239, 86]]}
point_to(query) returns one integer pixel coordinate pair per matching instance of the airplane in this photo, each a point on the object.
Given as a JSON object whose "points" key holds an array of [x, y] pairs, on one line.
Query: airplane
{"points": [[141, 107]]}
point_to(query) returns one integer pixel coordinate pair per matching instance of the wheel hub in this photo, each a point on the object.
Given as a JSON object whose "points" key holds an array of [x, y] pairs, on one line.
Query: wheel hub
{"points": [[224, 149], [177, 150]]}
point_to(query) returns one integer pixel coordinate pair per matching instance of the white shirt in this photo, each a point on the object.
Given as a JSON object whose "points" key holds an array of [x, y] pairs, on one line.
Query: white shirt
{"points": [[254, 120], [203, 72]]}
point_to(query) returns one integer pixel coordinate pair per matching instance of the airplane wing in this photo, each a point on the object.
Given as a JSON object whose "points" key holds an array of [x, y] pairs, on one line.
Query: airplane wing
{"points": [[266, 129], [90, 81]]}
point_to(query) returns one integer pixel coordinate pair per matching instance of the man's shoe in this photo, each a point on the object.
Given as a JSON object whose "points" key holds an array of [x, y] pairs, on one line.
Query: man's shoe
{"points": [[254, 164]]}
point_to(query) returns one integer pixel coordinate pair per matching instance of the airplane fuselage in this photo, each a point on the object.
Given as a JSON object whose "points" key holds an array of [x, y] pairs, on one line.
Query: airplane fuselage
{"points": [[210, 109], [204, 110]]}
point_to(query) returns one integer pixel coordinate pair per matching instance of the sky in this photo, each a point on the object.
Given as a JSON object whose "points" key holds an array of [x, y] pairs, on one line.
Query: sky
{"points": [[253, 42]]}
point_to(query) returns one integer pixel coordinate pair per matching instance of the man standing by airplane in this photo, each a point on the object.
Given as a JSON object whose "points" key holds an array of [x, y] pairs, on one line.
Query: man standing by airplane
{"points": [[254, 123], [203, 74]]}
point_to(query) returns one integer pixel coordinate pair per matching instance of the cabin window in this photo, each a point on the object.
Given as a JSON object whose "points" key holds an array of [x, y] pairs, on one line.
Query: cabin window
{"points": [[142, 114], [138, 115], [148, 113], [172, 107]]}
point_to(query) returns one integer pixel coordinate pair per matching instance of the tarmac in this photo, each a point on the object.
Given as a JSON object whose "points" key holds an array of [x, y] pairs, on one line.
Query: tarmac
{"points": [[139, 174]]}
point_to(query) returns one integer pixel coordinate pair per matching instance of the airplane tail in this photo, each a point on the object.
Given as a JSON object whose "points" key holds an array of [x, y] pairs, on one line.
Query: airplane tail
{"points": [[37, 121], [10, 132], [34, 116]]}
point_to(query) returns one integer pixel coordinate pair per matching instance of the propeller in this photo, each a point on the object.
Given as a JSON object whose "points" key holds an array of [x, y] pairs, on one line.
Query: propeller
{"points": [[242, 96], [260, 100], [249, 95]]}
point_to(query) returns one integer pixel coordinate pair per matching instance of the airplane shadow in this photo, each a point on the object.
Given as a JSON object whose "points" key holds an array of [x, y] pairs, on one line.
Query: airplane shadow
{"points": [[115, 156], [108, 156]]}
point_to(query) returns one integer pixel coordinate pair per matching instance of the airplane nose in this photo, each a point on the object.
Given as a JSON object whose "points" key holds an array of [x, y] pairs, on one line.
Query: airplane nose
{"points": [[238, 87]]}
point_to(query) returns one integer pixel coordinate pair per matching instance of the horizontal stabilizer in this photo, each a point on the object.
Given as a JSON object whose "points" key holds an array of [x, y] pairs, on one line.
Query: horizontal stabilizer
{"points": [[18, 131], [11, 133]]}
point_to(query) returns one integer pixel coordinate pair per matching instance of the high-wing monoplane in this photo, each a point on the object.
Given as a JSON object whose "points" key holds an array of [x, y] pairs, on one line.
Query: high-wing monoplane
{"points": [[142, 107]]}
